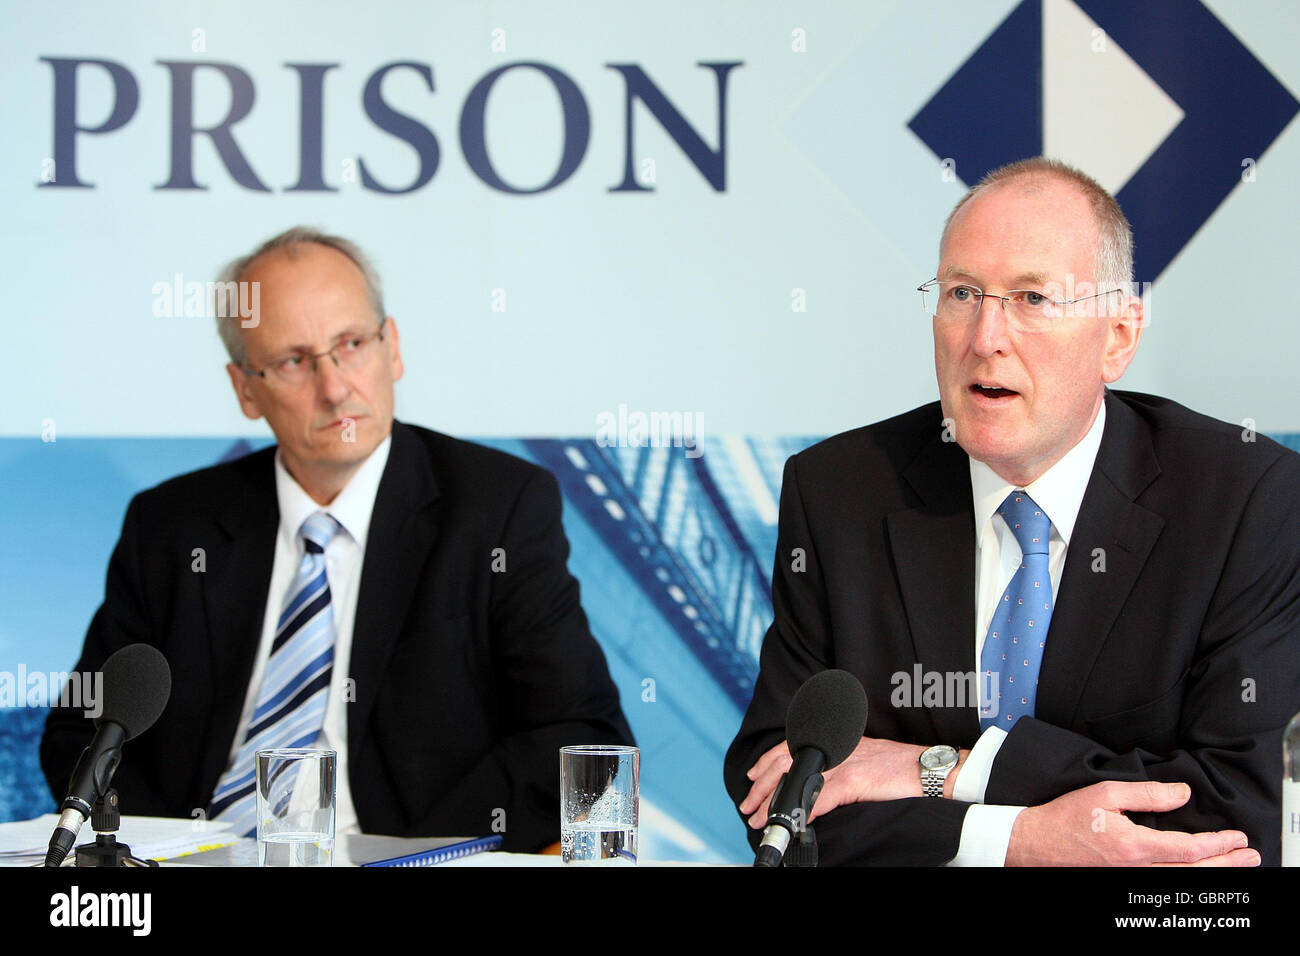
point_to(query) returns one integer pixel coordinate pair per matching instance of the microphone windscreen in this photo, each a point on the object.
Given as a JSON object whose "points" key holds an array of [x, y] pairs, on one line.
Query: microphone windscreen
{"points": [[829, 712], [137, 684]]}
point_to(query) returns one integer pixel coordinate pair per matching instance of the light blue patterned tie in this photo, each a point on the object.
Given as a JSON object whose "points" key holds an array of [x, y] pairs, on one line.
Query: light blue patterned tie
{"points": [[295, 687], [1013, 647]]}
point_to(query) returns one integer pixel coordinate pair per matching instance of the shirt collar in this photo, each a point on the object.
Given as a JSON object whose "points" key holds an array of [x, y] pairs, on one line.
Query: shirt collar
{"points": [[1058, 491], [351, 508]]}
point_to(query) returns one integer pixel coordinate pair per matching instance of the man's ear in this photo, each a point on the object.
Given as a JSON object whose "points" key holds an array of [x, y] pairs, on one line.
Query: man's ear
{"points": [[1125, 329], [242, 383], [395, 349]]}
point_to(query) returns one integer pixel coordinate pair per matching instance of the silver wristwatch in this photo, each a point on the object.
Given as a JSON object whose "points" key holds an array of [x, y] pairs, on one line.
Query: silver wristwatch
{"points": [[936, 763]]}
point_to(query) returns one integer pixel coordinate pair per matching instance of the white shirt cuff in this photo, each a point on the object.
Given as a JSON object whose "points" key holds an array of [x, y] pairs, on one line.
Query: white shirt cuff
{"points": [[973, 778], [985, 835]]}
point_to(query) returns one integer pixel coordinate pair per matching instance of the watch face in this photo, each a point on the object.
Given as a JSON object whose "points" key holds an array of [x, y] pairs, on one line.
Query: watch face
{"points": [[936, 758]]}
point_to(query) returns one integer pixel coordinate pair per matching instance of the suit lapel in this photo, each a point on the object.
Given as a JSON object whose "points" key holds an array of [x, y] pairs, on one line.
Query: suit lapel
{"points": [[1089, 598], [402, 529], [234, 587], [934, 551]]}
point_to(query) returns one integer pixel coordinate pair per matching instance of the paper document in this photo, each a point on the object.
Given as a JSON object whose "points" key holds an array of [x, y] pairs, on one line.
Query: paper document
{"points": [[24, 842]]}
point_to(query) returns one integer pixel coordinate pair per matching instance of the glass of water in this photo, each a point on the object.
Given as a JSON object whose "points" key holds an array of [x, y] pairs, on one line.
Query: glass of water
{"points": [[295, 807], [599, 803]]}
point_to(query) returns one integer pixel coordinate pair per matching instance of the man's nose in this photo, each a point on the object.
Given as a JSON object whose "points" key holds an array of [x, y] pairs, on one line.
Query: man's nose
{"points": [[990, 333], [332, 382]]}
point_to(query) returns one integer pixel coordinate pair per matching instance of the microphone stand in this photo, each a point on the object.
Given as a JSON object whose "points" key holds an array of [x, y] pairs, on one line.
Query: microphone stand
{"points": [[802, 852], [106, 851], [772, 852]]}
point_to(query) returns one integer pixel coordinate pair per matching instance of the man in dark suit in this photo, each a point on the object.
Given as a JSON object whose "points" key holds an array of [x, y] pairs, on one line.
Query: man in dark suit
{"points": [[454, 658], [1165, 568]]}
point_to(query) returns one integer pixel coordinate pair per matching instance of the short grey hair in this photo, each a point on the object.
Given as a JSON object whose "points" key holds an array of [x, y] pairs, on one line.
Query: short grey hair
{"points": [[289, 241], [1114, 255]]}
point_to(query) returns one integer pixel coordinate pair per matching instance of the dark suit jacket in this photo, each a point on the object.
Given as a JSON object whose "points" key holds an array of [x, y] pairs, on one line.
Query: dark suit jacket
{"points": [[1180, 661], [467, 681]]}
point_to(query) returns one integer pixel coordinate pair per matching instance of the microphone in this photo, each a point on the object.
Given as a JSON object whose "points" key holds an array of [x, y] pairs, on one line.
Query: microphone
{"points": [[137, 684], [826, 719]]}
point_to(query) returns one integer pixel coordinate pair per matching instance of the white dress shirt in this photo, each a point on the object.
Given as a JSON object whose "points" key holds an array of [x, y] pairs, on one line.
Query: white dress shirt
{"points": [[986, 829], [343, 559]]}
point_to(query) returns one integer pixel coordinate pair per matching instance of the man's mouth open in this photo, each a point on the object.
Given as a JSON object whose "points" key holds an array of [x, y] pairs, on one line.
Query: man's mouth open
{"points": [[992, 392]]}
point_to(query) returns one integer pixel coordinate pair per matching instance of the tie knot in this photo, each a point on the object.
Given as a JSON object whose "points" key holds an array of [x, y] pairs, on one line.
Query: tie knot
{"points": [[318, 531], [1028, 522]]}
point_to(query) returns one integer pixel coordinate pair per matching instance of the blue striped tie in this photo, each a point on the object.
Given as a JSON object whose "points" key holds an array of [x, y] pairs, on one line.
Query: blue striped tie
{"points": [[295, 688], [1017, 637]]}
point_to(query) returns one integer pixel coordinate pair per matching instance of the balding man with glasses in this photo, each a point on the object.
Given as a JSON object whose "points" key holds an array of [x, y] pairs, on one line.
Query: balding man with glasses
{"points": [[1076, 611], [376, 588]]}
